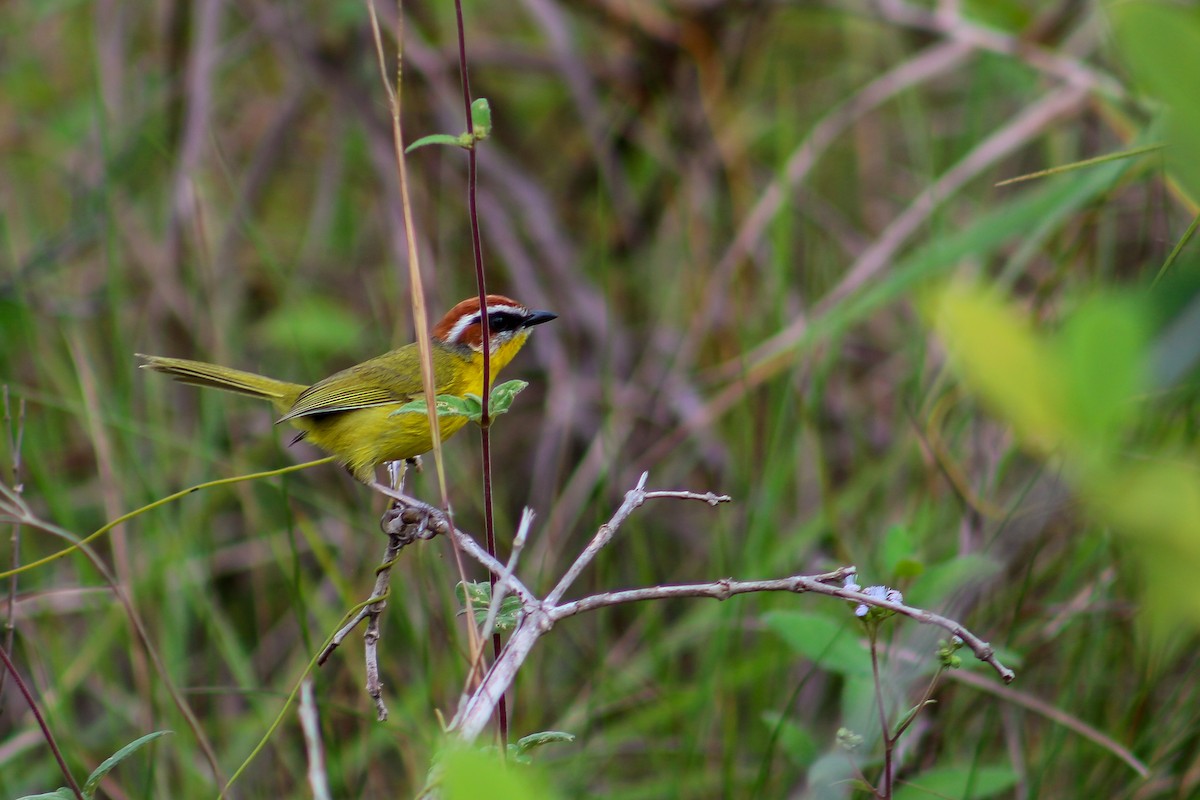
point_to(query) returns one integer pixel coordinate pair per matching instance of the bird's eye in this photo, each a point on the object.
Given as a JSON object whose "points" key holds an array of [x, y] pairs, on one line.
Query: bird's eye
{"points": [[501, 321]]}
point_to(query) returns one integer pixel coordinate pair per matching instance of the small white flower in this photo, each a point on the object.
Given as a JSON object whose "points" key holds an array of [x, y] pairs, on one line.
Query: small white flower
{"points": [[879, 593]]}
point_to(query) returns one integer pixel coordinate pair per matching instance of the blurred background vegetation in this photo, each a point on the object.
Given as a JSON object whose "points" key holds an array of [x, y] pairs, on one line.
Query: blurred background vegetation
{"points": [[743, 213]]}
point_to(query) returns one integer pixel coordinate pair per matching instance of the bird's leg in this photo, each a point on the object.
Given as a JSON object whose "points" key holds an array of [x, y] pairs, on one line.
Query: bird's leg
{"points": [[395, 471]]}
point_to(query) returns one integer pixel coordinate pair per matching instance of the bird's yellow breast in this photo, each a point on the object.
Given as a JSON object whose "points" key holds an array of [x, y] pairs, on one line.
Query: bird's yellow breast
{"points": [[366, 437]]}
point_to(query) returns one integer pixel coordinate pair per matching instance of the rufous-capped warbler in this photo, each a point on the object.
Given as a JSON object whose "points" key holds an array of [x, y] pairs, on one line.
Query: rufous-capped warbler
{"points": [[349, 414]]}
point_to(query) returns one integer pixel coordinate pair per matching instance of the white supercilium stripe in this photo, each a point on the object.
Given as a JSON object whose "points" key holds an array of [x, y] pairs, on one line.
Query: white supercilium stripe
{"points": [[468, 320]]}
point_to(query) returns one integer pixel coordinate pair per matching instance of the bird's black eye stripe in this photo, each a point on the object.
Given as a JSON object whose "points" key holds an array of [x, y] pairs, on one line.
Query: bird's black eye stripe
{"points": [[500, 321]]}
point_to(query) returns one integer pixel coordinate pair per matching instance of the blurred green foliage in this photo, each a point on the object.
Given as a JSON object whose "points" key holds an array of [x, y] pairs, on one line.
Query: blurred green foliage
{"points": [[467, 774], [1076, 396], [1160, 44], [729, 205]]}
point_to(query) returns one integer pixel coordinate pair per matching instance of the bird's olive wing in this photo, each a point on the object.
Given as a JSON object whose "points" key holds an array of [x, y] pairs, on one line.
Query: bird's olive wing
{"points": [[381, 381]]}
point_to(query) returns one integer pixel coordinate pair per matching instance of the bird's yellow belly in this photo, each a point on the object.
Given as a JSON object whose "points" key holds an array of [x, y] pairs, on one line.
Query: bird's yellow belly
{"points": [[365, 437]]}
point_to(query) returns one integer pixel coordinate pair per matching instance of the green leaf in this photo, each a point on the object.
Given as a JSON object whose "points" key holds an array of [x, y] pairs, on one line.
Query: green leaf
{"points": [[116, 758], [1160, 43], [507, 616], [462, 140], [899, 554], [480, 591], [959, 782], [908, 568], [446, 405], [61, 794], [1007, 15], [1103, 352], [503, 396], [533, 741], [481, 118], [1074, 392], [795, 741], [833, 645], [1157, 505], [912, 712], [940, 580], [471, 774], [481, 125], [470, 406], [998, 352]]}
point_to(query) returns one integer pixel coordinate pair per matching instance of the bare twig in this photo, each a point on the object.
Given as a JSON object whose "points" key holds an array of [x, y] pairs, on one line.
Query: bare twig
{"points": [[310, 724], [541, 615], [503, 581], [371, 653], [403, 526], [633, 499], [437, 523], [798, 584], [540, 618], [718, 590], [407, 521]]}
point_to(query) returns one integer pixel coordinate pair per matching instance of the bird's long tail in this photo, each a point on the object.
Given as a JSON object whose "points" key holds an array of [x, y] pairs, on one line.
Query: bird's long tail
{"points": [[198, 373]]}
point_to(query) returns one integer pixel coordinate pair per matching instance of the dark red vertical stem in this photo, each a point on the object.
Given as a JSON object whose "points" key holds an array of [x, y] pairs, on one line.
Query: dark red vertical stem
{"points": [[481, 284], [41, 723]]}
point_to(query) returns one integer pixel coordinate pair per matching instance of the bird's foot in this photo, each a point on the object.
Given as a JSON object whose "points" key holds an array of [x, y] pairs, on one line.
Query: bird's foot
{"points": [[414, 521]]}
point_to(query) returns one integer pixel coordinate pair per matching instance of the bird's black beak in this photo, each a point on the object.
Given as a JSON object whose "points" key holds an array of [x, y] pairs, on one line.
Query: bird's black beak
{"points": [[538, 317]]}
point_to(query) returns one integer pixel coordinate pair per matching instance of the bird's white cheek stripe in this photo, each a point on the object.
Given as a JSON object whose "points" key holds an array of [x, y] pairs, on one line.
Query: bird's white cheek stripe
{"points": [[460, 327]]}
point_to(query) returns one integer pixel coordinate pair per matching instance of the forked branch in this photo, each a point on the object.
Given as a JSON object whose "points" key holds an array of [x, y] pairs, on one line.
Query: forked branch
{"points": [[539, 615]]}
